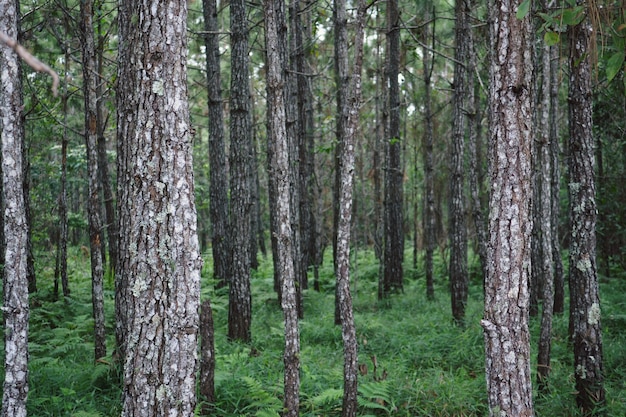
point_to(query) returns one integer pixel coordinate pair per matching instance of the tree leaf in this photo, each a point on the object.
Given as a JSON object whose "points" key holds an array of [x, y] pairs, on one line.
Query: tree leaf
{"points": [[551, 38], [522, 9], [573, 16], [614, 64]]}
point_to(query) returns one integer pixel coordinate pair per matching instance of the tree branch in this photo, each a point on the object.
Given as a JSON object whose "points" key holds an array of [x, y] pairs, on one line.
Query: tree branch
{"points": [[31, 60]]}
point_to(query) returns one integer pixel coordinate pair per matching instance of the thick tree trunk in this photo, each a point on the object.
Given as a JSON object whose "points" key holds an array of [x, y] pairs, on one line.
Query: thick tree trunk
{"points": [[507, 338], [459, 280], [218, 186], [15, 308], [91, 145], [240, 299], [393, 219], [161, 263], [583, 279], [278, 154]]}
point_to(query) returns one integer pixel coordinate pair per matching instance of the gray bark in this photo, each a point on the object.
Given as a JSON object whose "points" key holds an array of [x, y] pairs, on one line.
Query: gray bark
{"points": [[207, 357], [218, 186], [507, 338], [546, 218], [459, 280], [278, 154], [240, 299], [583, 280], [393, 178], [92, 128], [15, 308], [429, 171], [161, 263], [348, 134]]}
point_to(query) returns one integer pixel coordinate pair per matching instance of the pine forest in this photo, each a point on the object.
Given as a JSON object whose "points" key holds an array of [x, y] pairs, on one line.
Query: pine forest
{"points": [[313, 208]]}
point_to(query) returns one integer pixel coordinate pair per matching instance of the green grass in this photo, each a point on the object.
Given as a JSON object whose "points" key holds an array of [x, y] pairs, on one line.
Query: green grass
{"points": [[425, 365]]}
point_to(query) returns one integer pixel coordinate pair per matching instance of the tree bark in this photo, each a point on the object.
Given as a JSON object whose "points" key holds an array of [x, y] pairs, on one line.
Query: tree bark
{"points": [[161, 263], [507, 338], [207, 357], [394, 228], [348, 134], [218, 185], [240, 299], [583, 279], [15, 306], [544, 219], [91, 145], [459, 280], [103, 160], [429, 171], [555, 182], [278, 154]]}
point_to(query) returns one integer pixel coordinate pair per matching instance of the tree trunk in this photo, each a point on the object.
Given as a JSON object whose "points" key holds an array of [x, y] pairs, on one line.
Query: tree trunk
{"points": [[61, 269], [240, 299], [15, 306], [429, 171], [459, 280], [218, 186], [544, 219], [103, 160], [350, 128], [293, 131], [473, 150], [583, 279], [555, 182], [91, 145], [394, 229], [342, 80], [507, 339], [207, 357], [161, 263], [278, 154]]}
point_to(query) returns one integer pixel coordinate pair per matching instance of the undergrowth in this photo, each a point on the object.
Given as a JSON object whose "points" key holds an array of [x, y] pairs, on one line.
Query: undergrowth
{"points": [[413, 360]]}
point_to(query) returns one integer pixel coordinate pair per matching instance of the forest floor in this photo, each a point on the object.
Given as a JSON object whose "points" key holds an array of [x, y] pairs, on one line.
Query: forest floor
{"points": [[414, 361]]}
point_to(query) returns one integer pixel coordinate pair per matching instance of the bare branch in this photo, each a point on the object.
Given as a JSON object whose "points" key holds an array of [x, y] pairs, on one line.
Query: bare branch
{"points": [[31, 60]]}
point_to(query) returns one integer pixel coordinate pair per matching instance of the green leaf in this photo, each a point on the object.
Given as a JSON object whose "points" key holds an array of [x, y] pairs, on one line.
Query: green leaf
{"points": [[614, 64], [523, 9], [573, 16], [551, 38]]}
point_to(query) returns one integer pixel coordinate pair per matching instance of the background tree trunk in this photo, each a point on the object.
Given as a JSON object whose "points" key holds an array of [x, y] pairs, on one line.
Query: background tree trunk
{"points": [[240, 299], [583, 278], [350, 130], [429, 171], [544, 220], [162, 262], [278, 154], [459, 280], [15, 306], [207, 357], [91, 145], [394, 228], [507, 339], [218, 186]]}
